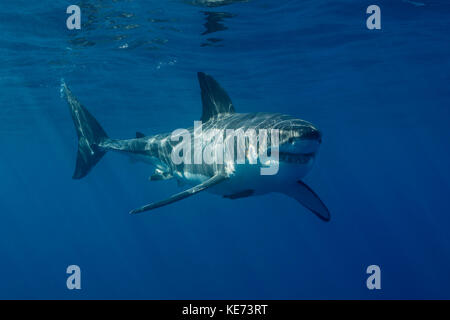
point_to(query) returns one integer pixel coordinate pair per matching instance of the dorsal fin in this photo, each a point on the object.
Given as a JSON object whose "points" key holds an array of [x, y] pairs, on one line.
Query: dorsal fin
{"points": [[139, 135], [215, 100]]}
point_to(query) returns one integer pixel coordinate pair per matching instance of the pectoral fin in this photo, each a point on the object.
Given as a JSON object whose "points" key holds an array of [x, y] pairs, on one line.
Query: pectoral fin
{"points": [[182, 195], [308, 198]]}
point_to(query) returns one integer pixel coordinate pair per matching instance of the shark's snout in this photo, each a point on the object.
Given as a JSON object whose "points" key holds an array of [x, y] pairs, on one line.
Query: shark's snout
{"points": [[305, 134], [304, 140], [313, 134]]}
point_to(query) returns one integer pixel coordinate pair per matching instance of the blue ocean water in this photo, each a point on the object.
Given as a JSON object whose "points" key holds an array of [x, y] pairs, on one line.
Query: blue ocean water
{"points": [[380, 97]]}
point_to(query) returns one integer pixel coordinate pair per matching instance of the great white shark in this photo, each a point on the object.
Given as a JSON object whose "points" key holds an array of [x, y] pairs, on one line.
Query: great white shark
{"points": [[299, 142]]}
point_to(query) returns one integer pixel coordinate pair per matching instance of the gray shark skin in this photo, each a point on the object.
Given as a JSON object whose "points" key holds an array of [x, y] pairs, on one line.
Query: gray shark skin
{"points": [[299, 142]]}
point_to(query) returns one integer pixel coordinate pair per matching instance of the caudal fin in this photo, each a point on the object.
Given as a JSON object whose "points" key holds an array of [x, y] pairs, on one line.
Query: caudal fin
{"points": [[89, 132]]}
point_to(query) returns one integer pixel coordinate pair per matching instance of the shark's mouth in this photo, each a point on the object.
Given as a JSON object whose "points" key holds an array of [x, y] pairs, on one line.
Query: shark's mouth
{"points": [[300, 158]]}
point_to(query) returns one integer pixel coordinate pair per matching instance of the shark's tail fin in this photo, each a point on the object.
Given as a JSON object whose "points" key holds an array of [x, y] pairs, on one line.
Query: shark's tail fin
{"points": [[89, 132]]}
